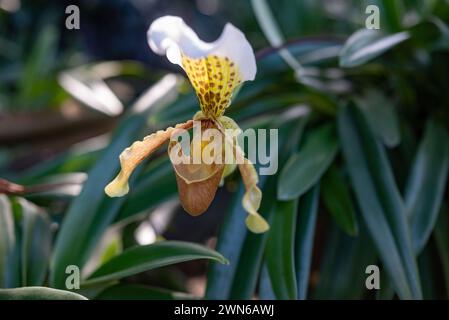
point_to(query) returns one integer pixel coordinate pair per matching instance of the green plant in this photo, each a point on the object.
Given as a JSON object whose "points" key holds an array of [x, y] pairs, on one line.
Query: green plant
{"points": [[363, 165]]}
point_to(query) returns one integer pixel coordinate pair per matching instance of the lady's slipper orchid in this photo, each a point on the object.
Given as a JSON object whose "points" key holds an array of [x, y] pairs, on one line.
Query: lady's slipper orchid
{"points": [[214, 69]]}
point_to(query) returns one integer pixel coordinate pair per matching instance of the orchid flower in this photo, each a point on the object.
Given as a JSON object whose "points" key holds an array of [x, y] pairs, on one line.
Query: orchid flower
{"points": [[215, 70]]}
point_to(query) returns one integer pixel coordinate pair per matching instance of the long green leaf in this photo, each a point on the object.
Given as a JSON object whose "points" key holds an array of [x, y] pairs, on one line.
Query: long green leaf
{"points": [[91, 212], [38, 293], [306, 167], [144, 258], [279, 250], [230, 242], [366, 45], [442, 242], [338, 201], [265, 288], [305, 234], [342, 273], [7, 239], [36, 243], [391, 13], [251, 255], [382, 117], [426, 184], [380, 202], [244, 249], [271, 30]]}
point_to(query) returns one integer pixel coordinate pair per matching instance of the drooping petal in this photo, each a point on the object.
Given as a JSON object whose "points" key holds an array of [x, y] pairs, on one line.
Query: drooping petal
{"points": [[252, 198], [253, 195], [135, 154], [214, 69]]}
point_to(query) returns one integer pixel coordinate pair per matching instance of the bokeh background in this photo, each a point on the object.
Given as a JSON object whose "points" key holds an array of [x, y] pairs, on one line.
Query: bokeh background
{"points": [[363, 162]]}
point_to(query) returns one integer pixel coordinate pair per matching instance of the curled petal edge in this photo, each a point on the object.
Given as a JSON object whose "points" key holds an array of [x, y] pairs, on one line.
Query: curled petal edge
{"points": [[132, 156]]}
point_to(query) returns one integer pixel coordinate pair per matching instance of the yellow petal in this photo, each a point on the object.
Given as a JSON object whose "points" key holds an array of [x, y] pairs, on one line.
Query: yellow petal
{"points": [[135, 154], [252, 198], [257, 224], [214, 79]]}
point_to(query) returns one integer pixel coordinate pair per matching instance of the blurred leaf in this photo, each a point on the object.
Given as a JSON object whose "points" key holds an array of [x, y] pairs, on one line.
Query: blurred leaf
{"points": [[271, 30], [7, 239], [427, 182], [36, 243], [38, 293], [229, 243], [68, 162], [279, 251], [35, 78], [114, 248], [442, 242], [244, 249], [430, 35], [91, 212], [382, 117], [392, 13], [348, 258], [91, 90], [250, 259], [366, 45], [305, 235], [306, 167], [338, 201], [265, 288], [139, 292], [144, 258], [380, 202], [427, 274]]}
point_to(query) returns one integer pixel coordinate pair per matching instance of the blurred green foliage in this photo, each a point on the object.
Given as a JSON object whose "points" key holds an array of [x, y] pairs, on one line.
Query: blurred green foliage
{"points": [[362, 173]]}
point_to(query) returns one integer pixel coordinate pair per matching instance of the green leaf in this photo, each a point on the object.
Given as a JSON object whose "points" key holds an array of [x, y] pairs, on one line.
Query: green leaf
{"points": [[91, 212], [139, 292], [229, 243], [245, 249], [366, 45], [391, 13], [251, 256], [427, 265], [342, 272], [272, 32], [338, 201], [279, 251], [36, 243], [380, 202], [7, 239], [265, 288], [305, 168], [305, 234], [442, 242], [382, 117], [38, 293], [427, 183], [144, 258]]}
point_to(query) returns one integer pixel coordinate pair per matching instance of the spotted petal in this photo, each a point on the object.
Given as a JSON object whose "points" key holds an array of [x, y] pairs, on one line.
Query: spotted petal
{"points": [[215, 69]]}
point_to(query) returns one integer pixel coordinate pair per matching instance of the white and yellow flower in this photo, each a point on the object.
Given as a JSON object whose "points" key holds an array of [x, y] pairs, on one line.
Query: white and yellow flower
{"points": [[215, 70]]}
